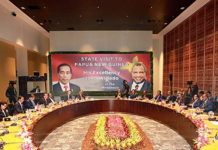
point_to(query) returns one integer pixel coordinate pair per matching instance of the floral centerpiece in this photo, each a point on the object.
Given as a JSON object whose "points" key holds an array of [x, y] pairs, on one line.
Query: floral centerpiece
{"points": [[116, 132]]}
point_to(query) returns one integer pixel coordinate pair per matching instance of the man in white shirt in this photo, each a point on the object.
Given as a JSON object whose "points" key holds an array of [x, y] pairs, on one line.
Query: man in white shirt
{"points": [[50, 97]]}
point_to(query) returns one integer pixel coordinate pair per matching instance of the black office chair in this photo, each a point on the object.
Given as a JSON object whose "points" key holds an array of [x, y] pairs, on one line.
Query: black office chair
{"points": [[10, 108]]}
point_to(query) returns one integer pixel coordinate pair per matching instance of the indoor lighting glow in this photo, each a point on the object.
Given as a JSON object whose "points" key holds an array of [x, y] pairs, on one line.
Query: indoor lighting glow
{"points": [[22, 7], [41, 23], [182, 8], [165, 23]]}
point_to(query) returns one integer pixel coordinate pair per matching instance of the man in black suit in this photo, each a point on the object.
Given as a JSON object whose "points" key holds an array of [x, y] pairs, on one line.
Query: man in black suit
{"points": [[30, 104], [169, 97], [67, 97], [18, 107], [207, 104], [3, 113], [80, 95], [51, 98], [35, 90], [64, 73], [139, 78], [45, 100], [174, 97]]}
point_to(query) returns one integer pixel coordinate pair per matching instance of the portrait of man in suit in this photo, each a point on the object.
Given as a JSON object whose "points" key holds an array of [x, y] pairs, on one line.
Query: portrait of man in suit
{"points": [[64, 74], [139, 81]]}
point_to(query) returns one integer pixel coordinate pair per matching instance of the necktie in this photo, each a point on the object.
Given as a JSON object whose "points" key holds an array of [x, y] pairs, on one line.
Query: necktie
{"points": [[66, 87], [46, 101]]}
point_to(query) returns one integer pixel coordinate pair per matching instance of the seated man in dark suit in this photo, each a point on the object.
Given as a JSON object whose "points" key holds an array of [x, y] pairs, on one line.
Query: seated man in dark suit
{"points": [[209, 95], [35, 90], [180, 100], [64, 73], [133, 94], [51, 98], [30, 104], [18, 107], [159, 97], [80, 95], [196, 102], [118, 94], [143, 95], [68, 96], [3, 112], [45, 101], [174, 97], [169, 97], [207, 105], [216, 97]]}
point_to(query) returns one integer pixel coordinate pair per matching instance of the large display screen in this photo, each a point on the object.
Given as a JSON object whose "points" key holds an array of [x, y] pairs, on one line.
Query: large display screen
{"points": [[100, 72]]}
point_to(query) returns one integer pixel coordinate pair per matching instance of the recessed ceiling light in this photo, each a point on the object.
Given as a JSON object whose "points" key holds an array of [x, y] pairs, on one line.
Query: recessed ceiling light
{"points": [[151, 7], [97, 6], [44, 7], [141, 22], [182, 8], [22, 7], [165, 23], [127, 16], [33, 16], [80, 16], [41, 23], [173, 16], [58, 22]]}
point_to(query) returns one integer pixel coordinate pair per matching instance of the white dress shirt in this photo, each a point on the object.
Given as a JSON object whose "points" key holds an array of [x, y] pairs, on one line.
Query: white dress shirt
{"points": [[62, 86], [4, 113], [134, 84], [21, 105], [51, 99]]}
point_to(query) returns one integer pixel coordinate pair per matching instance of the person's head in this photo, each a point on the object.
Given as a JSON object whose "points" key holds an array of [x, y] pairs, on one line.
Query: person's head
{"points": [[205, 97], [208, 93], [216, 94], [196, 97], [3, 105], [158, 92], [175, 92], [201, 93], [49, 95], [68, 92], [118, 91], [21, 99], [37, 87], [139, 72], [133, 91], [168, 92], [45, 96], [179, 95], [194, 83], [144, 92], [32, 97], [10, 85], [64, 73], [81, 92]]}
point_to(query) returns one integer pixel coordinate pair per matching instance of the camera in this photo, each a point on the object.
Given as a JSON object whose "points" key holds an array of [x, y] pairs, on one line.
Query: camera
{"points": [[189, 82], [12, 82]]}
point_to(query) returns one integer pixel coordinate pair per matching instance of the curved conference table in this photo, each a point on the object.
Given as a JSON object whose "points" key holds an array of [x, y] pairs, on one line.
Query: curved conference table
{"points": [[48, 122]]}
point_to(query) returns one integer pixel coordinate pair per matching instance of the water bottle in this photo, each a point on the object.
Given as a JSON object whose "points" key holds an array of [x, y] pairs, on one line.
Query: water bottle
{"points": [[129, 98]]}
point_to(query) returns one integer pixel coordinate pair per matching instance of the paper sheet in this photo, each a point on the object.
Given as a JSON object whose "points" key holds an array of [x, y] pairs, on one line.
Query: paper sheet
{"points": [[214, 122]]}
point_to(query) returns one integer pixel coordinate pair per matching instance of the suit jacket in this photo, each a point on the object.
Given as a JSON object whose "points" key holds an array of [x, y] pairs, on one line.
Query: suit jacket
{"points": [[18, 109], [159, 97], [145, 86], [180, 101], [34, 90], [197, 103], [143, 96], [65, 97], [208, 106], [169, 98], [42, 101], [73, 87], [216, 99], [132, 96], [2, 115], [78, 96], [29, 104], [174, 98]]}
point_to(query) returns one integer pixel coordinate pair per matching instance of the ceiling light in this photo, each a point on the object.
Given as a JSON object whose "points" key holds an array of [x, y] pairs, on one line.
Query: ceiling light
{"points": [[44, 7], [22, 7], [173, 16], [58, 22], [80, 16], [97, 6], [41, 23], [165, 23], [33, 16], [151, 7], [127, 16], [182, 8]]}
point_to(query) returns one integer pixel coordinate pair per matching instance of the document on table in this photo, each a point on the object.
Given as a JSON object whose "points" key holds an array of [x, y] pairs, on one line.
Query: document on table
{"points": [[214, 122]]}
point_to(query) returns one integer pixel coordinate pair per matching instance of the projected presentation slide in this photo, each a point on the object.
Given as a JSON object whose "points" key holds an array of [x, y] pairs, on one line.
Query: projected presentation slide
{"points": [[100, 72]]}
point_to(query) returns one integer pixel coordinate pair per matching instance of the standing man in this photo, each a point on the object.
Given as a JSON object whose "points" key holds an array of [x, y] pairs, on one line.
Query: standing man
{"points": [[139, 78], [126, 89], [11, 93], [194, 89], [18, 107], [64, 73]]}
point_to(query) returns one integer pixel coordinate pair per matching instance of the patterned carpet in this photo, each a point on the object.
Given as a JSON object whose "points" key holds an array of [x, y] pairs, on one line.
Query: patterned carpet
{"points": [[71, 135]]}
